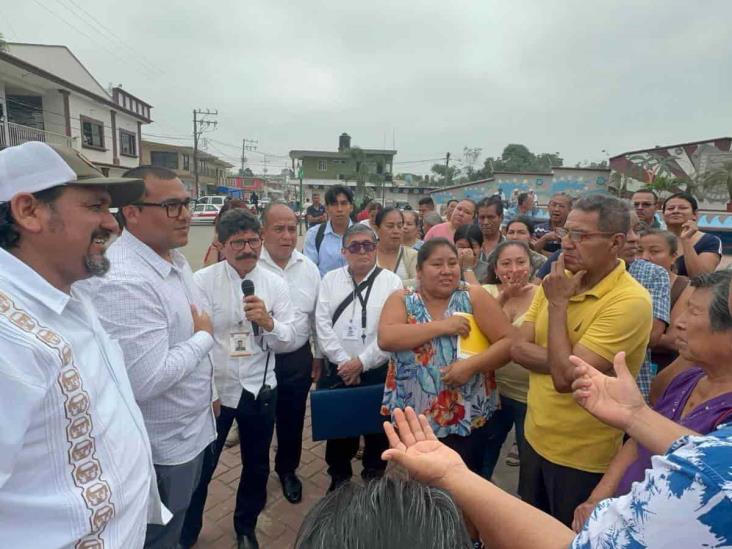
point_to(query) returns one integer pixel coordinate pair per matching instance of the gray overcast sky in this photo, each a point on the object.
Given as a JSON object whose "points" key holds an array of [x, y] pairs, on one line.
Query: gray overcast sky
{"points": [[575, 77]]}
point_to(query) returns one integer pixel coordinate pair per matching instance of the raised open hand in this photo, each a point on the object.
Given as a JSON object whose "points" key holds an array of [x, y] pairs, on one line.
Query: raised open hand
{"points": [[415, 447], [613, 400]]}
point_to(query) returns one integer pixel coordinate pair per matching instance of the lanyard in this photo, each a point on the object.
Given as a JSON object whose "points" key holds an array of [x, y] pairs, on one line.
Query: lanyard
{"points": [[399, 259], [369, 284]]}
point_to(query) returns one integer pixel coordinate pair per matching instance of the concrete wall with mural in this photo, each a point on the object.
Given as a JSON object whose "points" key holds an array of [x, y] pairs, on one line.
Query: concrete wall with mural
{"points": [[574, 181]]}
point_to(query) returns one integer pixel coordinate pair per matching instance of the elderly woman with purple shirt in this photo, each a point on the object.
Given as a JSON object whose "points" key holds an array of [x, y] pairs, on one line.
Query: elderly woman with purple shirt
{"points": [[699, 398]]}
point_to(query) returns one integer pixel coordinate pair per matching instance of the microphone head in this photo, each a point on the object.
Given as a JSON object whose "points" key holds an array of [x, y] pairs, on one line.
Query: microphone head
{"points": [[247, 287]]}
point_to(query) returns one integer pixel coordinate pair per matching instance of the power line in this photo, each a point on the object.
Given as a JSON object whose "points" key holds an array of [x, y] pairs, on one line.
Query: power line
{"points": [[98, 23], [57, 16]]}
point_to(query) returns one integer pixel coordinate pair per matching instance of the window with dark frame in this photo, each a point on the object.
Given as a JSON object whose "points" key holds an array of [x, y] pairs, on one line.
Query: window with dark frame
{"points": [[186, 162], [127, 143], [92, 133], [164, 159]]}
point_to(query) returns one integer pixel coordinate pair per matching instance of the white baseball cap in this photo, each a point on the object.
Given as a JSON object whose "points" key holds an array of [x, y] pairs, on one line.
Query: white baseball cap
{"points": [[36, 166]]}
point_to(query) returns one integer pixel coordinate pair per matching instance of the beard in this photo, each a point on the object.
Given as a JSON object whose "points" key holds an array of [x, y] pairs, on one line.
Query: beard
{"points": [[97, 265]]}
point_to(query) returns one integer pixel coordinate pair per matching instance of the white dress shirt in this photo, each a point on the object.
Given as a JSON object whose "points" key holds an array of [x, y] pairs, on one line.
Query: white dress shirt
{"points": [[338, 342], [145, 303], [75, 462], [221, 288], [303, 280]]}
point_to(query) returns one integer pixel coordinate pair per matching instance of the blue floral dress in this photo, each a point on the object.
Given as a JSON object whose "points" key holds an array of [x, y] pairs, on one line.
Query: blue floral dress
{"points": [[414, 377]]}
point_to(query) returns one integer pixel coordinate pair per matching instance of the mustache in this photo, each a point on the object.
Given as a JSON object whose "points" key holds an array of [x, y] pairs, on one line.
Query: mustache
{"points": [[101, 233], [246, 256]]}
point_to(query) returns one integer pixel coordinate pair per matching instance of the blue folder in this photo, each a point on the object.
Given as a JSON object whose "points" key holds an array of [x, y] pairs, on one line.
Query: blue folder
{"points": [[347, 412]]}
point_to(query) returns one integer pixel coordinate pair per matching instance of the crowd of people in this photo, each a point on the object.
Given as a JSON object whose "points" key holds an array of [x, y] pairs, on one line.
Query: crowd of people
{"points": [[122, 371]]}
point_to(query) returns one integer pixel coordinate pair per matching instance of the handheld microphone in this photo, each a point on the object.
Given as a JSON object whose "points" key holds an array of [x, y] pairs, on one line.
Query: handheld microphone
{"points": [[247, 287]]}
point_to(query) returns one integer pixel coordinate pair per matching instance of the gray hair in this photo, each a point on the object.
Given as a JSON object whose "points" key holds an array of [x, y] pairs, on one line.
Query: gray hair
{"points": [[358, 228], [720, 319], [388, 513], [613, 215], [432, 218]]}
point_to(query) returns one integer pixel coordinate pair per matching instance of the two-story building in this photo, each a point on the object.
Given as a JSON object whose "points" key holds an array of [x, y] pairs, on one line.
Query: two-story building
{"points": [[212, 171], [46, 94]]}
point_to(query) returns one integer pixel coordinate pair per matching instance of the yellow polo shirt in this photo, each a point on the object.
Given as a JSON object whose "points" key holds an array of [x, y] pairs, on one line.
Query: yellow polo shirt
{"points": [[615, 315]]}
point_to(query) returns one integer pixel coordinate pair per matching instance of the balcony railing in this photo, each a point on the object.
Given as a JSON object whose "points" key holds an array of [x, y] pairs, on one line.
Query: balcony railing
{"points": [[17, 134]]}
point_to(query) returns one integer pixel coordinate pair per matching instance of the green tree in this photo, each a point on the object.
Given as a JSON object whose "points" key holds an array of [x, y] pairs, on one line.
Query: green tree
{"points": [[360, 171], [444, 177], [518, 158]]}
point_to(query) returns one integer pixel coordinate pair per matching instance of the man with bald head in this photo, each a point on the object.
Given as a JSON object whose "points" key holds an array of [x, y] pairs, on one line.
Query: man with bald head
{"points": [[294, 370]]}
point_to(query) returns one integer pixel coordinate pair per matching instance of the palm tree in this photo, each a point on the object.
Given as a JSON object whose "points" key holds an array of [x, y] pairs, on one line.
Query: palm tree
{"points": [[360, 171]]}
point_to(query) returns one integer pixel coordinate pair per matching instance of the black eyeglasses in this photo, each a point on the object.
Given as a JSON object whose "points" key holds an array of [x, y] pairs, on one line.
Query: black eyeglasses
{"points": [[356, 247], [239, 244], [173, 208]]}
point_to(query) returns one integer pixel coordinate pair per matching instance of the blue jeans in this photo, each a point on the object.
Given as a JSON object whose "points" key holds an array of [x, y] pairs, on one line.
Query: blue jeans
{"points": [[511, 414]]}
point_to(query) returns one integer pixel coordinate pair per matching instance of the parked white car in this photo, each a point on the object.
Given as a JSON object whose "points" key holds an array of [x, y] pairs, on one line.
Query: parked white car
{"points": [[205, 214]]}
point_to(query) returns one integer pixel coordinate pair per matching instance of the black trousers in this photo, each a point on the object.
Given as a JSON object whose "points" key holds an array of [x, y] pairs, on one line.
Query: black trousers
{"points": [[256, 427], [555, 489], [294, 378], [340, 452]]}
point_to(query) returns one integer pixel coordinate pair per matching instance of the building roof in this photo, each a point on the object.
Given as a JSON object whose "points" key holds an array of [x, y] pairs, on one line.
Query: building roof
{"points": [[185, 149], [60, 66], [336, 154], [661, 148]]}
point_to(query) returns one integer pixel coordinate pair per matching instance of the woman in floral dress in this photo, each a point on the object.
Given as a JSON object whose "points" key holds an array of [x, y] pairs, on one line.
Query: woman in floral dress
{"points": [[421, 331]]}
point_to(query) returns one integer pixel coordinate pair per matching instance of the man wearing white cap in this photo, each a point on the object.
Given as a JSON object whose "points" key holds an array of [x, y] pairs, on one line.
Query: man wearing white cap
{"points": [[75, 462]]}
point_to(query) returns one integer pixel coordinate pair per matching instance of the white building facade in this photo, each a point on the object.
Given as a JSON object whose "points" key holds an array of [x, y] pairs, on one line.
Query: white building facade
{"points": [[46, 94]]}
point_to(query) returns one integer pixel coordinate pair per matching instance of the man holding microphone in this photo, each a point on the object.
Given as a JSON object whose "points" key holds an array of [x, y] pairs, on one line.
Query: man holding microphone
{"points": [[246, 338]]}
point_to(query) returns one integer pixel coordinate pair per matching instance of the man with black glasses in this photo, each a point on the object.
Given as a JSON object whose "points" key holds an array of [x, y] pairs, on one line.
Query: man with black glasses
{"points": [[150, 304], [253, 318], [347, 317]]}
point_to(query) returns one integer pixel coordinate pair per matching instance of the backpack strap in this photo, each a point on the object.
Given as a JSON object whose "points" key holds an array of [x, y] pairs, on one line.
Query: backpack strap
{"points": [[319, 236]]}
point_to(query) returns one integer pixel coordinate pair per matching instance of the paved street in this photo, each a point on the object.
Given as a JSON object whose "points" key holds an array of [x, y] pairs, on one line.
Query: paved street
{"points": [[280, 521]]}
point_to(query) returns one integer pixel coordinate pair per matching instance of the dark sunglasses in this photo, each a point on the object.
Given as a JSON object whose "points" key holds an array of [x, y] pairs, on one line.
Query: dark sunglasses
{"points": [[356, 247]]}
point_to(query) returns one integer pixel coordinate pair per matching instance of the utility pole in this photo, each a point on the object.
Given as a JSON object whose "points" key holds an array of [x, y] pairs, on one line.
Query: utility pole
{"points": [[247, 145], [447, 169], [199, 126]]}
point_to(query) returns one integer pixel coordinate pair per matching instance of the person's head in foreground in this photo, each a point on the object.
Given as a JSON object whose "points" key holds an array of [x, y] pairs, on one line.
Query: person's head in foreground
{"points": [[54, 211], [510, 263], [387, 513], [520, 228]]}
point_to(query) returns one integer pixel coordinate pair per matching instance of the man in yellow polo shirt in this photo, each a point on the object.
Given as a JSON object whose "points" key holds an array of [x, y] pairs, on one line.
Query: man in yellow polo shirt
{"points": [[591, 307]]}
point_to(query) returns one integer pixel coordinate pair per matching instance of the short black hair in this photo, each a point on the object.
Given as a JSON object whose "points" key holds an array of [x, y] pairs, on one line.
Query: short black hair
{"points": [[237, 220], [647, 191], [429, 247], [9, 233], [388, 513], [684, 196], [331, 195], [452, 200], [470, 232], [384, 212], [492, 201], [522, 219], [427, 201], [141, 172], [522, 197]]}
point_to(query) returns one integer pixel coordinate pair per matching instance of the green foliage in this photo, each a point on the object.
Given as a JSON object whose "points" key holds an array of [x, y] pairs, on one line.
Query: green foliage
{"points": [[518, 158], [3, 43], [444, 177]]}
